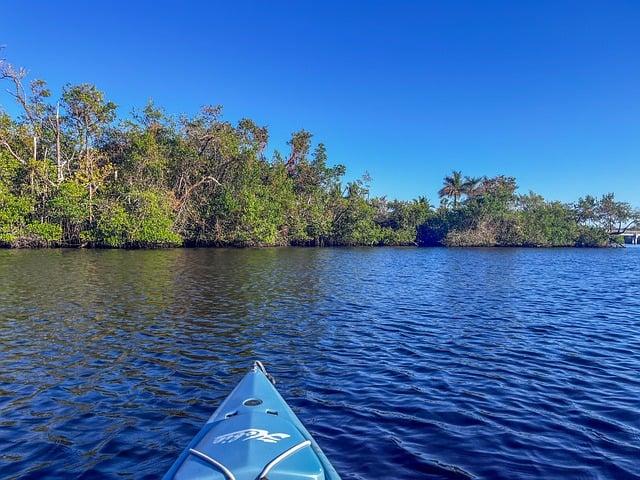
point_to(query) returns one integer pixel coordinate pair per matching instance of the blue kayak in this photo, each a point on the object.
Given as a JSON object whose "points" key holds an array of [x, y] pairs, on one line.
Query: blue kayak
{"points": [[253, 435]]}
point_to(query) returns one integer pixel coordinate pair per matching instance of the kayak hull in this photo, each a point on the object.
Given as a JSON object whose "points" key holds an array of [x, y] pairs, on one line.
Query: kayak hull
{"points": [[253, 433]]}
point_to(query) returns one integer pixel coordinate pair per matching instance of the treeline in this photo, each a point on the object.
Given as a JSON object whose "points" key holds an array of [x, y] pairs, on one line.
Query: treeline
{"points": [[488, 212], [72, 174]]}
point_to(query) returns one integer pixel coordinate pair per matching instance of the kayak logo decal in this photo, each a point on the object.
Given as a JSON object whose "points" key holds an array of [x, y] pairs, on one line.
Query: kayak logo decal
{"points": [[251, 434]]}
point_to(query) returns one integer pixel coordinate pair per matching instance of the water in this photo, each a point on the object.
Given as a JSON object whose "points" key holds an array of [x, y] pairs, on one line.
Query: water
{"points": [[403, 363]]}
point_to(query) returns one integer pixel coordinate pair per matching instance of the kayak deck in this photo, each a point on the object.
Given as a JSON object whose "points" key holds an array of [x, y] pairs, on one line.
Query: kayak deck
{"points": [[254, 433]]}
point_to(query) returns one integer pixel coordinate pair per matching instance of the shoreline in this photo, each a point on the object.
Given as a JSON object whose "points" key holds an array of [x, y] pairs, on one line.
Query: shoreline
{"points": [[263, 247]]}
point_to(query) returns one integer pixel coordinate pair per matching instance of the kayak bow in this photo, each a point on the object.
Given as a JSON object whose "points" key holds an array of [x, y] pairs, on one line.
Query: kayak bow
{"points": [[253, 434]]}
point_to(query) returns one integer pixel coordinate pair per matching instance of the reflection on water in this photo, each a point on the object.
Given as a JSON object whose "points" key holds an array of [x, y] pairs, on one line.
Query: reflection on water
{"points": [[403, 363]]}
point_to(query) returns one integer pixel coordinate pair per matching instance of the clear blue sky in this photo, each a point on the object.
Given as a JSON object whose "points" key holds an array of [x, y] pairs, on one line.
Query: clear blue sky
{"points": [[546, 91]]}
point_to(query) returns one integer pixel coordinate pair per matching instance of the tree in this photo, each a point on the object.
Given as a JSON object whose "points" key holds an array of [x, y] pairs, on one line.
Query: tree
{"points": [[355, 223], [615, 216], [28, 139], [88, 114], [546, 224], [70, 208], [317, 193], [471, 185], [300, 143], [453, 187]]}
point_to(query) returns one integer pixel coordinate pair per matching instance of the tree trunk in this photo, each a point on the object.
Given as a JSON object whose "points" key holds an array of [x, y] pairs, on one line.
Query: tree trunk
{"points": [[90, 203], [58, 150]]}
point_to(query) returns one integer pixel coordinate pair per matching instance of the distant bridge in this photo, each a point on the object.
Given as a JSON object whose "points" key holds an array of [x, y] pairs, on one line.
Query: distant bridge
{"points": [[630, 236]]}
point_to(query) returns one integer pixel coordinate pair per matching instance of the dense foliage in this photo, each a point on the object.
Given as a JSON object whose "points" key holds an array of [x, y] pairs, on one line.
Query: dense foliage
{"points": [[72, 174], [491, 213]]}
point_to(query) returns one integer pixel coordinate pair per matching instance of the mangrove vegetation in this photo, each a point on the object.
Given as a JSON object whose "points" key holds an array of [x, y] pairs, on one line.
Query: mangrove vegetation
{"points": [[72, 173]]}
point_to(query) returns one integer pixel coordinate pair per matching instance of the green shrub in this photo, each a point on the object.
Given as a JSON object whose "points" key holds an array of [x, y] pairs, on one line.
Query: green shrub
{"points": [[151, 221], [71, 202], [112, 226], [43, 234], [592, 237], [7, 239]]}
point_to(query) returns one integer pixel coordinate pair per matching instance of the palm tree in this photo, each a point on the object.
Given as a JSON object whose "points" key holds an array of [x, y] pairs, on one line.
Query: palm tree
{"points": [[471, 186], [453, 187]]}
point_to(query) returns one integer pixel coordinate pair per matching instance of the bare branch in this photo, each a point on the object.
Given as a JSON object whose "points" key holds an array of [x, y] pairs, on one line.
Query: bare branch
{"points": [[187, 193], [6, 145], [15, 76]]}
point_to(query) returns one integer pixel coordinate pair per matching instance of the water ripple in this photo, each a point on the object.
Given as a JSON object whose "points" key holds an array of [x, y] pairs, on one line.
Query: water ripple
{"points": [[403, 363]]}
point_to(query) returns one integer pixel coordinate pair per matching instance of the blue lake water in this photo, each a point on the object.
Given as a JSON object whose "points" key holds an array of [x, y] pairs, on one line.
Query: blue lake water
{"points": [[403, 363]]}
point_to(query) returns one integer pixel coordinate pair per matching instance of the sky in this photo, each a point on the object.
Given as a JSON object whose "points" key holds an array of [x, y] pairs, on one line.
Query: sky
{"points": [[546, 91]]}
